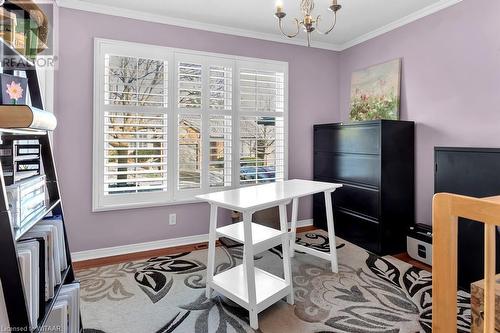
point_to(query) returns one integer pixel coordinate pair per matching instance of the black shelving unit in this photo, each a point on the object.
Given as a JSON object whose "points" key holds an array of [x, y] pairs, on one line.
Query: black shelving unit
{"points": [[10, 273]]}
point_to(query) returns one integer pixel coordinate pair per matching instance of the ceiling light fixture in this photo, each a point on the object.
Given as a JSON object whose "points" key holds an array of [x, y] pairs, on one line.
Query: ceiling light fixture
{"points": [[308, 23]]}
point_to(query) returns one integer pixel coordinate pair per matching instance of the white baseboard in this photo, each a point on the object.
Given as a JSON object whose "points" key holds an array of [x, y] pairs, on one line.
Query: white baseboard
{"points": [[303, 223], [148, 246]]}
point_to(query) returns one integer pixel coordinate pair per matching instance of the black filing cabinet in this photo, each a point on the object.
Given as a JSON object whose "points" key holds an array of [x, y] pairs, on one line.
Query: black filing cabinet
{"points": [[375, 162]]}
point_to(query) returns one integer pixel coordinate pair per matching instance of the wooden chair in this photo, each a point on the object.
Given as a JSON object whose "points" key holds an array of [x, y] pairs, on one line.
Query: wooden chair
{"points": [[446, 208]]}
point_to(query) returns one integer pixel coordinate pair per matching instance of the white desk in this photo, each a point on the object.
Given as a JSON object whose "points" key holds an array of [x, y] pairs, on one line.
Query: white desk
{"points": [[250, 287]]}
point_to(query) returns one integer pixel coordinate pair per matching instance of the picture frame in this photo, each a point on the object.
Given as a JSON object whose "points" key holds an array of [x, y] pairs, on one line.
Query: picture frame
{"points": [[376, 92], [14, 89]]}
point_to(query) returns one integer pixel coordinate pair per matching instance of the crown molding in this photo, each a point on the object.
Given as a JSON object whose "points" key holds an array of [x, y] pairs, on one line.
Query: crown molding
{"points": [[149, 17], [438, 6]]}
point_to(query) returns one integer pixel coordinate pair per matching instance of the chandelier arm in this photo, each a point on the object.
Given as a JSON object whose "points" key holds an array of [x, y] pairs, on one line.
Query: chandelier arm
{"points": [[280, 21], [330, 29]]}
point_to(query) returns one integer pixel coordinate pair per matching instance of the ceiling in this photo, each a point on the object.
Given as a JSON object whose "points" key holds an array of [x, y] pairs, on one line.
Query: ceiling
{"points": [[358, 20]]}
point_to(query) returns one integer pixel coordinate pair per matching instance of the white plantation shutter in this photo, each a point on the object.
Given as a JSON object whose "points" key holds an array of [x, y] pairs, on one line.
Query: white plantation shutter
{"points": [[221, 87], [220, 153], [262, 149], [262, 91], [262, 125], [135, 138], [220, 115], [190, 152], [134, 81], [204, 132], [170, 124], [131, 156], [135, 152], [190, 96], [189, 81]]}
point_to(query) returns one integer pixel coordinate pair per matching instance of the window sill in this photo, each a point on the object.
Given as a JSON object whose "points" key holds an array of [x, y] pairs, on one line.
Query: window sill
{"points": [[145, 205]]}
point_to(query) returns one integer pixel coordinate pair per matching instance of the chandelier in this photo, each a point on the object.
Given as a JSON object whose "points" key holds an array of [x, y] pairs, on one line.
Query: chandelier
{"points": [[308, 23]]}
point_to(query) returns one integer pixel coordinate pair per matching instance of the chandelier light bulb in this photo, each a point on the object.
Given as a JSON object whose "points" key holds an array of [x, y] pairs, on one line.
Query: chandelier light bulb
{"points": [[279, 6]]}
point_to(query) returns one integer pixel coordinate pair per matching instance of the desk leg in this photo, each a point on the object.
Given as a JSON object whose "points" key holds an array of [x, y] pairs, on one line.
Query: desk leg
{"points": [[285, 242], [331, 231], [293, 231], [211, 249], [250, 270]]}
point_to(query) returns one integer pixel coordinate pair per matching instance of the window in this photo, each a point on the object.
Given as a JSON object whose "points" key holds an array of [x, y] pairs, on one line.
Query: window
{"points": [[170, 124]]}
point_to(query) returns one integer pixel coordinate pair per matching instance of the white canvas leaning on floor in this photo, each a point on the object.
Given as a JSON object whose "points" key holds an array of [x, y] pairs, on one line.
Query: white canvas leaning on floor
{"points": [[71, 294], [58, 318]]}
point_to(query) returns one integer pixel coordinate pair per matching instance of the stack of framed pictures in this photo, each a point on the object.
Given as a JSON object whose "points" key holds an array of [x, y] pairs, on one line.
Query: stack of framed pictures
{"points": [[4, 317], [56, 222], [37, 276], [43, 260], [29, 256]]}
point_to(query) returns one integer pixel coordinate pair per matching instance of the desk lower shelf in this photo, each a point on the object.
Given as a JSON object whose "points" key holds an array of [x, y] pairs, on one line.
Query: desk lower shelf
{"points": [[233, 284], [263, 238]]}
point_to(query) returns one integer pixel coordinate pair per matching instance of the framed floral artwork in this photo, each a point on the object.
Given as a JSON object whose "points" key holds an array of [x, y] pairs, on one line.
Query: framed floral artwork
{"points": [[375, 92], [14, 89]]}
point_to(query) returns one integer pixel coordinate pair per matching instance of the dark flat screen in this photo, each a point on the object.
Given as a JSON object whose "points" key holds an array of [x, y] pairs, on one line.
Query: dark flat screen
{"points": [[472, 172]]}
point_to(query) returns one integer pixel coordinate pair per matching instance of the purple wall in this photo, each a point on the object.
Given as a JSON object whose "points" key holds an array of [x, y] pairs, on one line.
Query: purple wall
{"points": [[450, 82], [312, 73], [450, 88]]}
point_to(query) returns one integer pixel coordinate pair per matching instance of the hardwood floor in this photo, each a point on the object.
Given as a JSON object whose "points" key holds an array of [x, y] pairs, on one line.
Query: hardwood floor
{"points": [[406, 258]]}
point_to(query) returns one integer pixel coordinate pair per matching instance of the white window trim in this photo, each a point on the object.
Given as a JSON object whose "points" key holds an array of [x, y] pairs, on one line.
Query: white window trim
{"points": [[101, 47]]}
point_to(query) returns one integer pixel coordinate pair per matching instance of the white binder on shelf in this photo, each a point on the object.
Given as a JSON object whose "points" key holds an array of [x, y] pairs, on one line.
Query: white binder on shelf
{"points": [[58, 318], [54, 239], [71, 293], [4, 316], [32, 247], [58, 223], [26, 265], [49, 265]]}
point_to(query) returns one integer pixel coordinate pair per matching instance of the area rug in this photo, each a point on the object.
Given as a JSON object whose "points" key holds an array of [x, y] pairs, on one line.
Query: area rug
{"points": [[166, 294]]}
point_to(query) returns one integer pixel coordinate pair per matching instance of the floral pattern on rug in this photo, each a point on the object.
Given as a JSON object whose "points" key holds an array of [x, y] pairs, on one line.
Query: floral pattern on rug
{"points": [[370, 294], [378, 299]]}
